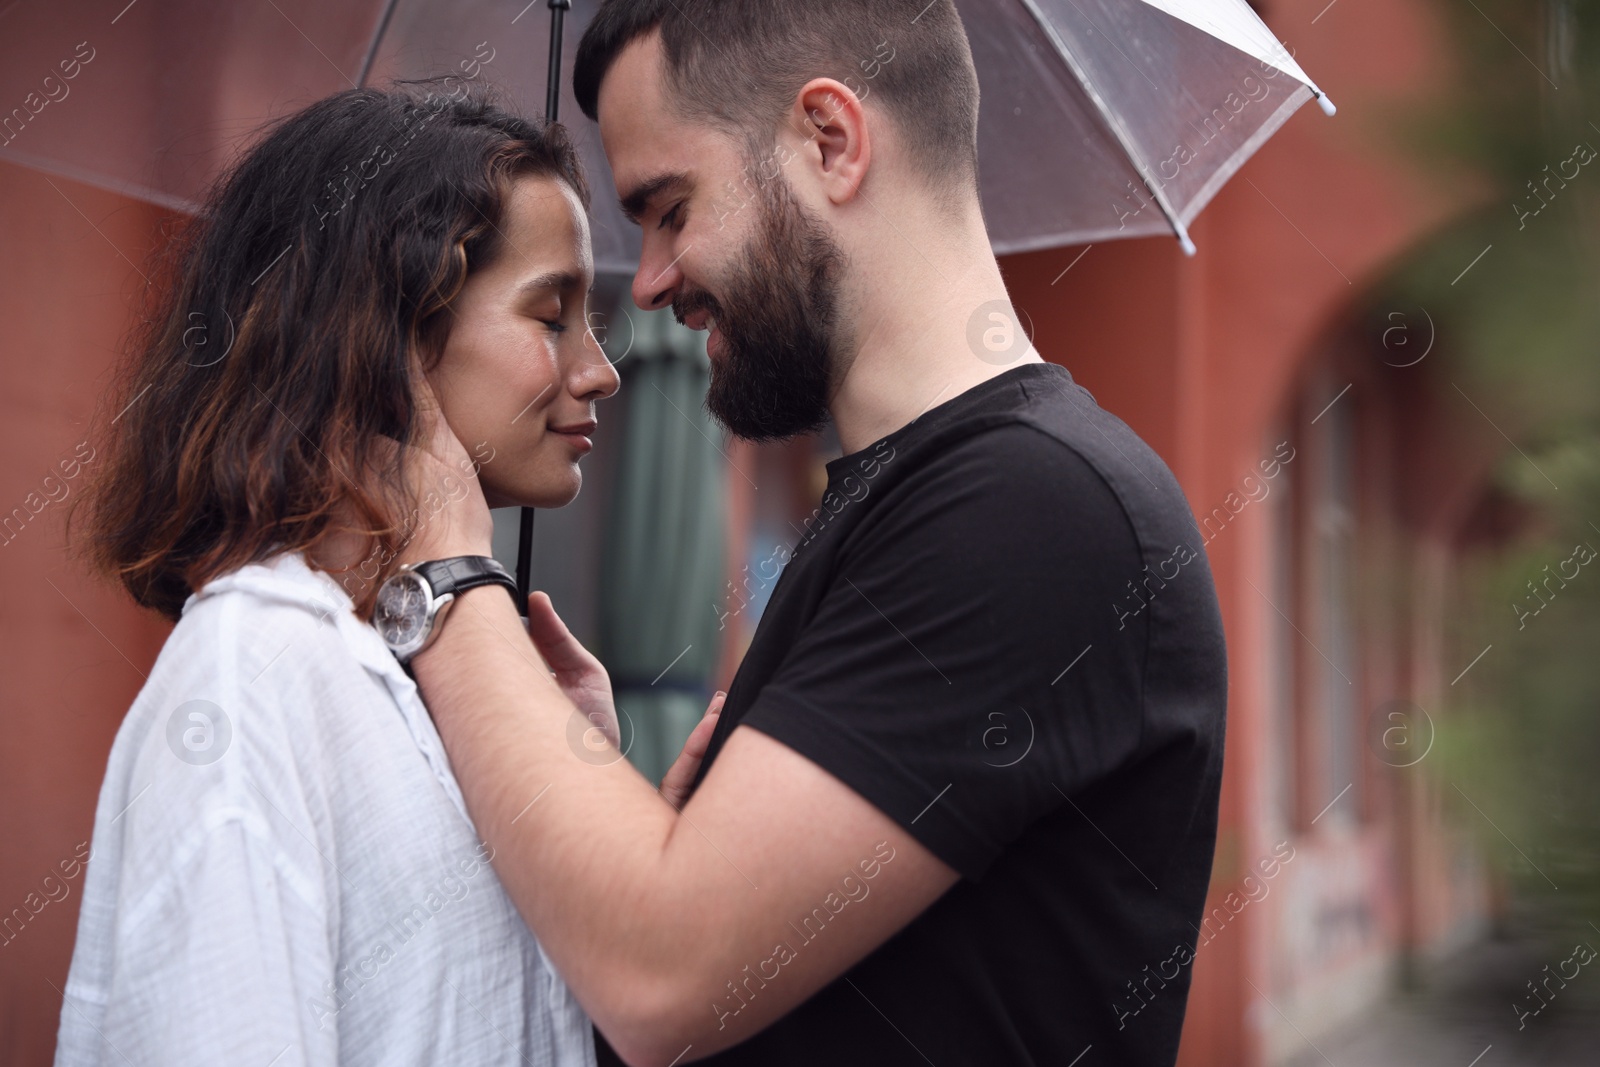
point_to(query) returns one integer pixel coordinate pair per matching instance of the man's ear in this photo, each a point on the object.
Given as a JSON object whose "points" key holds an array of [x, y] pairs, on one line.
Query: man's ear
{"points": [[836, 146]]}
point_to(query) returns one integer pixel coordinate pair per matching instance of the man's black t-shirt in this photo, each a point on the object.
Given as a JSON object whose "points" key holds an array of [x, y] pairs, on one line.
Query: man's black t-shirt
{"points": [[1000, 628]]}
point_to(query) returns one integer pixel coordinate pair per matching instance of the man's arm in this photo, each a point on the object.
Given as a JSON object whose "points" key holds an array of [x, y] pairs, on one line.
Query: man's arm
{"points": [[680, 933]]}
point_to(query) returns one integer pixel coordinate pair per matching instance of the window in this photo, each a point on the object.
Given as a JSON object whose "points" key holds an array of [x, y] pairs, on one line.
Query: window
{"points": [[1334, 583]]}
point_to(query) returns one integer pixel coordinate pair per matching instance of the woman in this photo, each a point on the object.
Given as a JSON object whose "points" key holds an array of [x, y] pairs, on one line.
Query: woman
{"points": [[283, 869]]}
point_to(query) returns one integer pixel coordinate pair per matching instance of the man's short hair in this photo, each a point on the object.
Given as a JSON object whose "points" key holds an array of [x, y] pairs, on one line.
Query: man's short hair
{"points": [[738, 64]]}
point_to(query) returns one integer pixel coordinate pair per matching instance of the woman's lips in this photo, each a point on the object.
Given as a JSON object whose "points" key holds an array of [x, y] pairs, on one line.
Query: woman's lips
{"points": [[576, 440], [577, 435]]}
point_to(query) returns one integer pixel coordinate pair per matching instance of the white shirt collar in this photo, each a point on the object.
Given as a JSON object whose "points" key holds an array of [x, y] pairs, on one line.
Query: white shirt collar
{"points": [[287, 577]]}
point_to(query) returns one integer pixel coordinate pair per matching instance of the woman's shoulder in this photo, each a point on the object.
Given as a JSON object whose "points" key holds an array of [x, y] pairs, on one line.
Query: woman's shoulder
{"points": [[278, 612], [251, 706], [283, 586], [273, 647]]}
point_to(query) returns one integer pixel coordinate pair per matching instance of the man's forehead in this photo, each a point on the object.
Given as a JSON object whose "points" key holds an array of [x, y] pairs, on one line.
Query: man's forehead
{"points": [[632, 109], [646, 140]]}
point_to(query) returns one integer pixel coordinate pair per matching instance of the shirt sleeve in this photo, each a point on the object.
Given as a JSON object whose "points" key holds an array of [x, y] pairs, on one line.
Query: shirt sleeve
{"points": [[977, 658], [224, 962]]}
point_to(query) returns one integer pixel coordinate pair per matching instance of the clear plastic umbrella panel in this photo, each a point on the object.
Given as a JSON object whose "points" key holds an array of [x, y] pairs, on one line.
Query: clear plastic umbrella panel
{"points": [[1100, 119]]}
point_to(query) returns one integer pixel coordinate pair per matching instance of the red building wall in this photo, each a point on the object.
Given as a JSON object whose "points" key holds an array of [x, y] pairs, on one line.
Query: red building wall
{"points": [[72, 651]]}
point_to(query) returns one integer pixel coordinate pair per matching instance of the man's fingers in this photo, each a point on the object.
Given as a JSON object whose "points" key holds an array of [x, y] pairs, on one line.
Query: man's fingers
{"points": [[437, 436]]}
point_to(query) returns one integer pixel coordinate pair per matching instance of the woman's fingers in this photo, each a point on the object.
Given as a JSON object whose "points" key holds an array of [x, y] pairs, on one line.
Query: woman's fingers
{"points": [[679, 778], [555, 642]]}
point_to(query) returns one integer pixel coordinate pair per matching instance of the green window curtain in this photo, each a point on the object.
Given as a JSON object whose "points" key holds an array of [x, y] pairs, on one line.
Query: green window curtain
{"points": [[663, 564]]}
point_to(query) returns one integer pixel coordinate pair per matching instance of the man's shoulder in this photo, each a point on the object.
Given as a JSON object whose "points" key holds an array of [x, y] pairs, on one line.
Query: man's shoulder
{"points": [[1034, 418], [1023, 455]]}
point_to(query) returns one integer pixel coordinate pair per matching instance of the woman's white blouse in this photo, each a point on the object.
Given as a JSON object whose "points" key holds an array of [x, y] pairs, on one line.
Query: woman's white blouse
{"points": [[283, 871]]}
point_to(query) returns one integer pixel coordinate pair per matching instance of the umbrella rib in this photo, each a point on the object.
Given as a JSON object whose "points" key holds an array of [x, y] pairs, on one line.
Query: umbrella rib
{"points": [[1112, 121], [377, 37]]}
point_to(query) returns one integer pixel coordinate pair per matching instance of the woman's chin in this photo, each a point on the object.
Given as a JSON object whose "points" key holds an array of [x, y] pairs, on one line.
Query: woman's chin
{"points": [[557, 495]]}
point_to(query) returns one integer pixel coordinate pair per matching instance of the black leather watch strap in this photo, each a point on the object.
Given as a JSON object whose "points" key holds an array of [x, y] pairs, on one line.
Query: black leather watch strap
{"points": [[460, 573]]}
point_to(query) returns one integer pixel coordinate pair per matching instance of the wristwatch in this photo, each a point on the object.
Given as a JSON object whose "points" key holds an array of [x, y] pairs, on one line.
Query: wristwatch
{"points": [[412, 602]]}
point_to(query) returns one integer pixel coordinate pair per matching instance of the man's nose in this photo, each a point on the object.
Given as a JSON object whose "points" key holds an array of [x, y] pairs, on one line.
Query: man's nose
{"points": [[658, 276]]}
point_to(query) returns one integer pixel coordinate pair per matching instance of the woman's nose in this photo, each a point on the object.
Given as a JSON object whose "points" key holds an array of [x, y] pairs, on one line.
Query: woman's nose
{"points": [[594, 377]]}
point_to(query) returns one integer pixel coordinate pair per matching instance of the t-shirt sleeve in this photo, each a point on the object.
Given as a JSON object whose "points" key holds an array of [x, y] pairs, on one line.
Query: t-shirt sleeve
{"points": [[977, 658]]}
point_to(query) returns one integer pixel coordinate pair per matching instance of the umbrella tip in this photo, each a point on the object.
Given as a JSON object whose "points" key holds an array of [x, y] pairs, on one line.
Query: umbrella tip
{"points": [[1327, 105], [1186, 244]]}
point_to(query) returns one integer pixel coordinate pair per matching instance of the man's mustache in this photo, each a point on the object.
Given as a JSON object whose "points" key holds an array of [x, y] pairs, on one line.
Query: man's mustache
{"points": [[686, 304]]}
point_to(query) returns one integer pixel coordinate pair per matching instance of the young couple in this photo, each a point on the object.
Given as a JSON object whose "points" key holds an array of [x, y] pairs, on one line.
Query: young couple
{"points": [[950, 811]]}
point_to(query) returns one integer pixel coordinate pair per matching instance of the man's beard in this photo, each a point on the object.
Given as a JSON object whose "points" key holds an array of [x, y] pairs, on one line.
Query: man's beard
{"points": [[778, 319]]}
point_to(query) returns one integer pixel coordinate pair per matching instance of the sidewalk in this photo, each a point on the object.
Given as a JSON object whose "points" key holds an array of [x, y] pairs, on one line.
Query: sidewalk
{"points": [[1462, 1014]]}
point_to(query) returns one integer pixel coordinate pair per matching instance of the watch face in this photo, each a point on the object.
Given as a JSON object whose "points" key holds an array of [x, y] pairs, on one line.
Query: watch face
{"points": [[401, 615]]}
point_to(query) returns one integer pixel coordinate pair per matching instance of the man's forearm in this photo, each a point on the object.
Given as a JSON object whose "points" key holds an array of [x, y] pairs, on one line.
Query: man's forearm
{"points": [[665, 924], [582, 848]]}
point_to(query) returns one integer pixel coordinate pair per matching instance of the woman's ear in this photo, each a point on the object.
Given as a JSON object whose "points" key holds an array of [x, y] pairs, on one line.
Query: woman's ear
{"points": [[837, 150]]}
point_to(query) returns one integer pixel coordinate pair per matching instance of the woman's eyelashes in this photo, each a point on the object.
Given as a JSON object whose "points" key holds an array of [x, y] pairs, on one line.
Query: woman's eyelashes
{"points": [[556, 321], [567, 310]]}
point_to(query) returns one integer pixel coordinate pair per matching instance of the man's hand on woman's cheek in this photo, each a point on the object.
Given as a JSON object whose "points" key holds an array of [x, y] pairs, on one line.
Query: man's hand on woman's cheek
{"points": [[454, 517]]}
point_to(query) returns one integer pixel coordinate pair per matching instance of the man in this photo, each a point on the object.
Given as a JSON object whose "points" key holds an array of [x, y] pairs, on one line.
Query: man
{"points": [[961, 800]]}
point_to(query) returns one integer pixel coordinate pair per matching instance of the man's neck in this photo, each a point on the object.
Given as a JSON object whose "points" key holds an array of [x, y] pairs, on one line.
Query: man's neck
{"points": [[921, 338]]}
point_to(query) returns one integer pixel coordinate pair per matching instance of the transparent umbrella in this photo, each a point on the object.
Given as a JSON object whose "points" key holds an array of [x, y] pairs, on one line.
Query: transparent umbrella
{"points": [[1099, 119]]}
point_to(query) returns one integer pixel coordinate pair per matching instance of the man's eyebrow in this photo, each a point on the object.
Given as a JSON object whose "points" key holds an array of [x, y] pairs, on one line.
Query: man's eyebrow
{"points": [[638, 198]]}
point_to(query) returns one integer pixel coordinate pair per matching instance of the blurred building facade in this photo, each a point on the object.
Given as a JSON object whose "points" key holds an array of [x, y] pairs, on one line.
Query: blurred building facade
{"points": [[1334, 474], [1330, 471]]}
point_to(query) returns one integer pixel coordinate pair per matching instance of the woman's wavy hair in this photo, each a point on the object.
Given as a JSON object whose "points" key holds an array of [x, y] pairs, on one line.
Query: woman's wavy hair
{"points": [[277, 348]]}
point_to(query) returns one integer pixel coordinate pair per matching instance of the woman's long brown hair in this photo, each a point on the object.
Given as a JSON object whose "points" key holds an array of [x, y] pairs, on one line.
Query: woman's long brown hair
{"points": [[263, 392]]}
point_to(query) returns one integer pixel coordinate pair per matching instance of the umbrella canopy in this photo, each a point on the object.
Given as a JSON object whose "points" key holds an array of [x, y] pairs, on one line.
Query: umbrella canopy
{"points": [[1100, 119]]}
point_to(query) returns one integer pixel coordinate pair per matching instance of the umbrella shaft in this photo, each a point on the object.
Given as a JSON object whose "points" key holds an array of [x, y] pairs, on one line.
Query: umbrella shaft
{"points": [[552, 101], [552, 95]]}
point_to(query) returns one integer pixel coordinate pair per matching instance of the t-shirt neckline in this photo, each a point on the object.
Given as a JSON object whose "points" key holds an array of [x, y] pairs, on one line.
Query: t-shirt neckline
{"points": [[974, 395]]}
